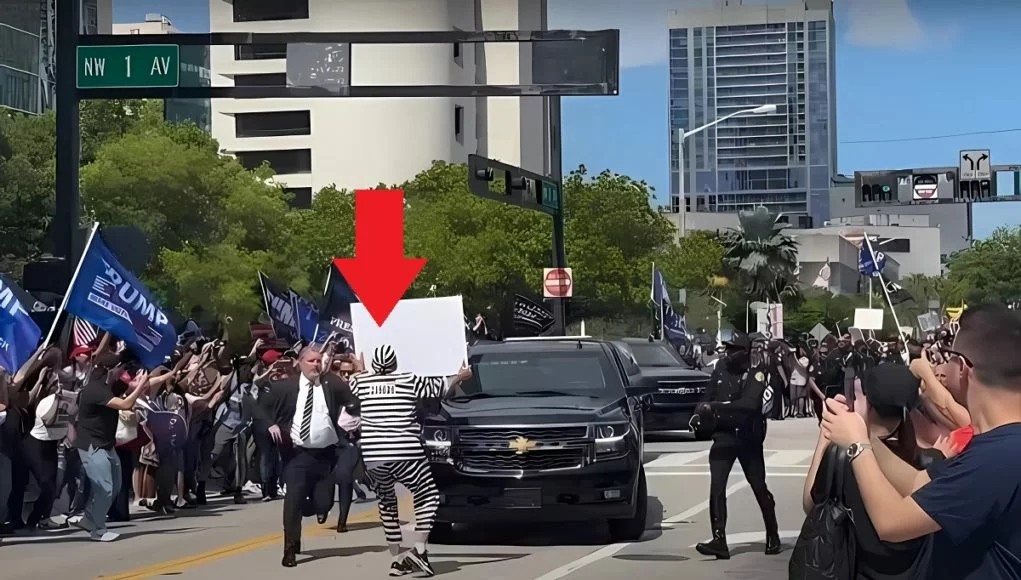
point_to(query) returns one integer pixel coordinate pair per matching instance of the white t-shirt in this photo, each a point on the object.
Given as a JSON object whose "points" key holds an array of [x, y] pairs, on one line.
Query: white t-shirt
{"points": [[53, 415], [799, 375]]}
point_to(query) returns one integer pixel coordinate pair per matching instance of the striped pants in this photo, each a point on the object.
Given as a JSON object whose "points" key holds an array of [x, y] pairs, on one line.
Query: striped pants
{"points": [[417, 477]]}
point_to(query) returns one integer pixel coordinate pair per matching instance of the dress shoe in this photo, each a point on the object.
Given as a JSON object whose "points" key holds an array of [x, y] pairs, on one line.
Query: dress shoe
{"points": [[773, 544], [341, 528], [290, 559], [321, 518], [717, 547]]}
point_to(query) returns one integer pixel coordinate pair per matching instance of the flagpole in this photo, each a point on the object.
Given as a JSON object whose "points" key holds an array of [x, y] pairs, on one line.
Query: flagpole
{"points": [[326, 290], [886, 293], [265, 304], [74, 278]]}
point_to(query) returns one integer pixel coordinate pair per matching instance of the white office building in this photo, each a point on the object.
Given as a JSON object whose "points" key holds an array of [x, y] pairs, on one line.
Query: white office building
{"points": [[313, 143], [153, 24]]}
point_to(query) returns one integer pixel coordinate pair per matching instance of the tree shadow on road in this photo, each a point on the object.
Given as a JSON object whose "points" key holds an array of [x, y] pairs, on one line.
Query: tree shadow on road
{"points": [[757, 548], [444, 564]]}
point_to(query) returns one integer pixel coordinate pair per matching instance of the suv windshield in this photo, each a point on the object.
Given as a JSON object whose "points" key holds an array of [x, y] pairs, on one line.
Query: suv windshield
{"points": [[575, 372], [655, 355]]}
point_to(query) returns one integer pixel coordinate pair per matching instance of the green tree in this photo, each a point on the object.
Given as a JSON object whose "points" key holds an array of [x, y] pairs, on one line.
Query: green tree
{"points": [[693, 261], [102, 120], [762, 256], [26, 187], [989, 271]]}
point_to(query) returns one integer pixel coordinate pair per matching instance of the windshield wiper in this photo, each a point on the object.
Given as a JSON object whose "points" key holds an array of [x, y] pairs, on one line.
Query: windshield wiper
{"points": [[551, 393]]}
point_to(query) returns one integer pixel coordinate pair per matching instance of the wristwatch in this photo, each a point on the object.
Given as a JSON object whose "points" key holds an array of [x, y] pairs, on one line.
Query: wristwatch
{"points": [[856, 449]]}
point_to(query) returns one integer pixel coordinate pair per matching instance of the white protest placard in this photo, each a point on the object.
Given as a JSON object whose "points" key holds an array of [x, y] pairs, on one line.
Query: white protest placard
{"points": [[426, 333], [868, 318]]}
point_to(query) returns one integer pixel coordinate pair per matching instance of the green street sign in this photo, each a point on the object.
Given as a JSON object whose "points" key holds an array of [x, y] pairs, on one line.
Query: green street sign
{"points": [[551, 197], [130, 66]]}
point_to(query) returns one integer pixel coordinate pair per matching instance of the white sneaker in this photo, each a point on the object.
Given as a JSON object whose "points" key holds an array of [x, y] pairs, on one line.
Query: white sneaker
{"points": [[105, 536], [252, 488], [282, 491], [79, 521]]}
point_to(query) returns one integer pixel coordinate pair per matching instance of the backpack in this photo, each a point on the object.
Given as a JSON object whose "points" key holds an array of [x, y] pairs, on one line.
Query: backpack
{"points": [[827, 546]]}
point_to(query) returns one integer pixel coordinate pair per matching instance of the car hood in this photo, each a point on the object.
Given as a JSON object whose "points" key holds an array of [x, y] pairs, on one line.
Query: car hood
{"points": [[529, 410], [674, 373]]}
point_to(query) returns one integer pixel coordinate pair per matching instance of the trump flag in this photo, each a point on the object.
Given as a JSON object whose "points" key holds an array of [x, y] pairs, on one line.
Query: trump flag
{"points": [[19, 334], [106, 294]]}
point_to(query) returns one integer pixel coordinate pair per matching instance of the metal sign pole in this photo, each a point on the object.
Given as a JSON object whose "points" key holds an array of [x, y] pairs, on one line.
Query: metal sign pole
{"points": [[64, 230]]}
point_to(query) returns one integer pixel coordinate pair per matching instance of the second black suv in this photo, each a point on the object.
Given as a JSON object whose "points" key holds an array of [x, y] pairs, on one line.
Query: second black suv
{"points": [[544, 431]]}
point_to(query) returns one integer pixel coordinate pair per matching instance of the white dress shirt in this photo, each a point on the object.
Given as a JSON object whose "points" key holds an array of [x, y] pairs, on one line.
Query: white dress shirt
{"points": [[323, 433]]}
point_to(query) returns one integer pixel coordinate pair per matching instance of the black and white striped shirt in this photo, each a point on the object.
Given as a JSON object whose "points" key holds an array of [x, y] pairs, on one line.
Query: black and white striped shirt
{"points": [[390, 429]]}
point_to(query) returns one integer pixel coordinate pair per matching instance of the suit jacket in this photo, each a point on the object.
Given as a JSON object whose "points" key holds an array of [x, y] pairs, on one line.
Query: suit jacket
{"points": [[278, 404]]}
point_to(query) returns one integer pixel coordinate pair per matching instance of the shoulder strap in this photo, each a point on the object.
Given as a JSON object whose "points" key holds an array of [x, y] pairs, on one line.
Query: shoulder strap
{"points": [[831, 460], [840, 464]]}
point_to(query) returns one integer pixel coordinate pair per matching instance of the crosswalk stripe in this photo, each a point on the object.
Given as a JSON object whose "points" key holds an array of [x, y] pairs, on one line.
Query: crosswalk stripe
{"points": [[677, 459], [789, 458]]}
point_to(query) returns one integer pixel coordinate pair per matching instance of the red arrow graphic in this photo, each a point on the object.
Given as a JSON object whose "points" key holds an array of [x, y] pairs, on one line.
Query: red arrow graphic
{"points": [[379, 273]]}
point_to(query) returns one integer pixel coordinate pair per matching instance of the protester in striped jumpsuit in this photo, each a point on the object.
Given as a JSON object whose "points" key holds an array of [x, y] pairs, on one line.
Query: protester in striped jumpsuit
{"points": [[392, 449]]}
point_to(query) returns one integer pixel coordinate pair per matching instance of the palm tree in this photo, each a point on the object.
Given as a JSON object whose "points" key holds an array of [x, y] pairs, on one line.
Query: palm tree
{"points": [[762, 257]]}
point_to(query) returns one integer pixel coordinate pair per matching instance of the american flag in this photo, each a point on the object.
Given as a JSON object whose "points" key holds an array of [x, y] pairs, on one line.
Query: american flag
{"points": [[83, 333]]}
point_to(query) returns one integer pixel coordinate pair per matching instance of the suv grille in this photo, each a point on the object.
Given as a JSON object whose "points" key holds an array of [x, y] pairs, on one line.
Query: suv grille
{"points": [[501, 436], [510, 461]]}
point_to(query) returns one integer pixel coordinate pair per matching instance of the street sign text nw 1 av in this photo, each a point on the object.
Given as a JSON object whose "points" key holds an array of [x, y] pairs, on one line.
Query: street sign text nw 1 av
{"points": [[129, 66]]}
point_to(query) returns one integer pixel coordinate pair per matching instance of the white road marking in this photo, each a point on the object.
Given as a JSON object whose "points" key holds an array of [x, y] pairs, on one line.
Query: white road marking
{"points": [[608, 551], [786, 458], [677, 459], [754, 537], [801, 474]]}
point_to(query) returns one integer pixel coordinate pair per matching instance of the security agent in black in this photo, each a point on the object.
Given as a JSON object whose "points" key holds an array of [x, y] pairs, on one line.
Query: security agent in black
{"points": [[732, 411]]}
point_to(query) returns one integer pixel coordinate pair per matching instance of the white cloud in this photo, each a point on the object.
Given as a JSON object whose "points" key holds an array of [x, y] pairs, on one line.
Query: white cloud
{"points": [[883, 24]]}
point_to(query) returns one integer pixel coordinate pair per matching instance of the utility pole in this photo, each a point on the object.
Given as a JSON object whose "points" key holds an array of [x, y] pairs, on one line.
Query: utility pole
{"points": [[557, 175]]}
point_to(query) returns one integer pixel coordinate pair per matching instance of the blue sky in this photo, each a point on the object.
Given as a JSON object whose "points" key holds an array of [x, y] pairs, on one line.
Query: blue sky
{"points": [[905, 69]]}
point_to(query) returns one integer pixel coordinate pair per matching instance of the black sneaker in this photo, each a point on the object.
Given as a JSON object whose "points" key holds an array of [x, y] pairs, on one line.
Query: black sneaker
{"points": [[401, 568], [420, 560]]}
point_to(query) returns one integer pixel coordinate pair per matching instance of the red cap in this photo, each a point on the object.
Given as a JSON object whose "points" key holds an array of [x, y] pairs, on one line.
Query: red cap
{"points": [[271, 356], [78, 350]]}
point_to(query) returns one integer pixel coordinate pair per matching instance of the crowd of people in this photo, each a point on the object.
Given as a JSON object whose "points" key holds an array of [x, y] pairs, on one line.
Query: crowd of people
{"points": [[915, 471], [308, 424]]}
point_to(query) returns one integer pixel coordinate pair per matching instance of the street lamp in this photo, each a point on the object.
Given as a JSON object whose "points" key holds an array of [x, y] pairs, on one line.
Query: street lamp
{"points": [[682, 135]]}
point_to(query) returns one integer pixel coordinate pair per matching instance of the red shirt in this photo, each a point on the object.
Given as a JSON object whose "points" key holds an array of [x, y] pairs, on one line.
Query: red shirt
{"points": [[962, 437]]}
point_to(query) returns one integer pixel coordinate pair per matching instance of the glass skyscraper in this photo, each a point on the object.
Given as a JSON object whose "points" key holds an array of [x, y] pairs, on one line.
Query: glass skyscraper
{"points": [[735, 57], [27, 49]]}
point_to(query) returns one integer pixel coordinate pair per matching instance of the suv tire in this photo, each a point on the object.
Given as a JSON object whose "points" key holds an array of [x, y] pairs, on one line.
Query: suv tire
{"points": [[631, 529], [442, 533]]}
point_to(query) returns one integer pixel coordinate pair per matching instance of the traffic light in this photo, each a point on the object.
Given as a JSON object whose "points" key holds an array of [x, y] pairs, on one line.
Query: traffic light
{"points": [[508, 184], [976, 190], [876, 188]]}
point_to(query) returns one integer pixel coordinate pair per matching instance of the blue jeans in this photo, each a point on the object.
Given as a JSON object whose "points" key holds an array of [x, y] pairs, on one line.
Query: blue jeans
{"points": [[103, 468]]}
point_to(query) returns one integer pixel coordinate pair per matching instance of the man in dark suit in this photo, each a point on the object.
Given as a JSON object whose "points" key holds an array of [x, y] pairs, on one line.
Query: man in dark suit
{"points": [[302, 413]]}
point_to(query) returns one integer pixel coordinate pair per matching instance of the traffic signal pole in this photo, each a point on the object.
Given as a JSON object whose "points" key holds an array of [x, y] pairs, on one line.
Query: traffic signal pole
{"points": [[64, 230], [557, 174]]}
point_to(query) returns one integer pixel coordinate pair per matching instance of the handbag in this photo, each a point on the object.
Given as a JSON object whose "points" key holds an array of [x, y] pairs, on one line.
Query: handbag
{"points": [[827, 546]]}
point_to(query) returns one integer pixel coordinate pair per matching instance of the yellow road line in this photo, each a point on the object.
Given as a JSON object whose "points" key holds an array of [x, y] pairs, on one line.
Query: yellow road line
{"points": [[186, 563]]}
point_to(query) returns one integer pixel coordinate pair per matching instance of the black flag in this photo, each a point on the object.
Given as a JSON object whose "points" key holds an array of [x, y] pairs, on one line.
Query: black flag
{"points": [[280, 309], [335, 311], [531, 316], [897, 293]]}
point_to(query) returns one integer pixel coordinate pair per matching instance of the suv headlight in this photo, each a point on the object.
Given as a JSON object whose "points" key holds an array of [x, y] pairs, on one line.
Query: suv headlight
{"points": [[437, 436], [611, 432]]}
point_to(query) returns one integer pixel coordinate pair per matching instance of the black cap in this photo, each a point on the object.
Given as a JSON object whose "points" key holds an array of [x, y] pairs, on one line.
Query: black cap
{"points": [[740, 340], [891, 386]]}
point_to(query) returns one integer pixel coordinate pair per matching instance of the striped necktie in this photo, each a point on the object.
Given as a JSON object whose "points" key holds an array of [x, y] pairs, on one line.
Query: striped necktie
{"points": [[306, 417]]}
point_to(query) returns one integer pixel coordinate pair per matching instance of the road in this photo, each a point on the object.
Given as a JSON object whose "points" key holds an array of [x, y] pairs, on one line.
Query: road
{"points": [[228, 541]]}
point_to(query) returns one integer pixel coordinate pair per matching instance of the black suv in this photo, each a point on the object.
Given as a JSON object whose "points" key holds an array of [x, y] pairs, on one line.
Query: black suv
{"points": [[543, 432], [671, 386]]}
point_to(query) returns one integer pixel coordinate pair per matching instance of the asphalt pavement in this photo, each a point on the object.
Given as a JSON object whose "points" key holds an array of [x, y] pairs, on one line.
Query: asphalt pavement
{"points": [[224, 541]]}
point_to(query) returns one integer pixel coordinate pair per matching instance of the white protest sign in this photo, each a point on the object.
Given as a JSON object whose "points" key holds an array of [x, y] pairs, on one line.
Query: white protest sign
{"points": [[868, 318], [426, 333]]}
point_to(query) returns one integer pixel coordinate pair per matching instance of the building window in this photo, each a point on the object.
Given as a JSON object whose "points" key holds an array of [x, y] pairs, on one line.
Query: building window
{"points": [[459, 123], [259, 51], [261, 10], [283, 161], [301, 197], [19, 49], [261, 80], [136, 31], [894, 246], [275, 124], [458, 60], [19, 90]]}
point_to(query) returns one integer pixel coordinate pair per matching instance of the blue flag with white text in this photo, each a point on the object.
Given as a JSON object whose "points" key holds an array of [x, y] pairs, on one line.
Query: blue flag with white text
{"points": [[19, 334], [672, 323], [307, 316], [109, 296], [870, 262]]}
